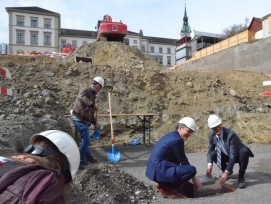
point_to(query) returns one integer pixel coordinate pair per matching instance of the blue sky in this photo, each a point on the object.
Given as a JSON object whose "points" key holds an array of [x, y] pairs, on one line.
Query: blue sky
{"points": [[159, 18]]}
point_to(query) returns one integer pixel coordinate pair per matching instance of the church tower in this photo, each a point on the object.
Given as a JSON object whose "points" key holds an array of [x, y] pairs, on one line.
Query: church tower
{"points": [[186, 30]]}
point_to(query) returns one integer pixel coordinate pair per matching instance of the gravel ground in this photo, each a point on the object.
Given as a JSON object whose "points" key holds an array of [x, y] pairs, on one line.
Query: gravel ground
{"points": [[258, 177]]}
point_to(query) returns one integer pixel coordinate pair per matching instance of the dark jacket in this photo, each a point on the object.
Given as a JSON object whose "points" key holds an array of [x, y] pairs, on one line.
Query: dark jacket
{"points": [[165, 156], [31, 185], [84, 106], [233, 146]]}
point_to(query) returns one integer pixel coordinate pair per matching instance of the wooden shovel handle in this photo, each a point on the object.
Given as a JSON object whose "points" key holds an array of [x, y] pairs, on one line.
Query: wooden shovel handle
{"points": [[111, 122]]}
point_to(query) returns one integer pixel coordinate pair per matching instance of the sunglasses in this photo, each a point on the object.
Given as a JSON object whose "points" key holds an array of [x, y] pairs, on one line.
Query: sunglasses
{"points": [[30, 149], [190, 131], [37, 150]]}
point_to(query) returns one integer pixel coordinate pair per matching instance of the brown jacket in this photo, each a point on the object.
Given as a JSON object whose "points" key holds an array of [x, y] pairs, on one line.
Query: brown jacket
{"points": [[84, 106]]}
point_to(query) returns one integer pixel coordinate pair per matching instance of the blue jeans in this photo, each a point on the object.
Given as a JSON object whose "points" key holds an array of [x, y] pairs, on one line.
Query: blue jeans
{"points": [[83, 129]]}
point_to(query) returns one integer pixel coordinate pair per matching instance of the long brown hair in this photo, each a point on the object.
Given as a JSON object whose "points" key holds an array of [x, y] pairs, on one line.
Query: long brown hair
{"points": [[57, 161]]}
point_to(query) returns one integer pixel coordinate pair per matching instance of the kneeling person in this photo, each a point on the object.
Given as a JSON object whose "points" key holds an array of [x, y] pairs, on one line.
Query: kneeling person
{"points": [[226, 149], [168, 164]]}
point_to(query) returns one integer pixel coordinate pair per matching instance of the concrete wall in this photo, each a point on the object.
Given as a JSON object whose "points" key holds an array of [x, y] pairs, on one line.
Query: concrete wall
{"points": [[254, 56]]}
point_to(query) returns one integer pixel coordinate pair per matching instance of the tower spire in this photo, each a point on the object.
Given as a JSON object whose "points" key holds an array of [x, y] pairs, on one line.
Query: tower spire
{"points": [[186, 30]]}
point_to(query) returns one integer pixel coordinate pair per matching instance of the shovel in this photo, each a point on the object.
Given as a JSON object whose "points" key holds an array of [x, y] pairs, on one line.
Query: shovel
{"points": [[96, 134], [112, 156]]}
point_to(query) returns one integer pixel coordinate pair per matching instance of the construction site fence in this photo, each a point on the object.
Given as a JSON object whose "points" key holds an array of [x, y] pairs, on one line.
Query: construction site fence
{"points": [[240, 38]]}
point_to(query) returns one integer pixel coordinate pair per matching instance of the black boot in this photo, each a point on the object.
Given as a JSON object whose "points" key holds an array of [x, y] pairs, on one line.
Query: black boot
{"points": [[241, 179], [241, 182], [92, 160]]}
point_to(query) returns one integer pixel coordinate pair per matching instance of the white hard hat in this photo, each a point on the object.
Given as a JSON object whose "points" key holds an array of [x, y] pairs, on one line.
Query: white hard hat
{"points": [[188, 122], [214, 121], [66, 144], [99, 80]]}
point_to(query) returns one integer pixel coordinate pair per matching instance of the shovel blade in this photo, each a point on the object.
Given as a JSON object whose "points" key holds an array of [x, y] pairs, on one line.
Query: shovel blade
{"points": [[113, 156]]}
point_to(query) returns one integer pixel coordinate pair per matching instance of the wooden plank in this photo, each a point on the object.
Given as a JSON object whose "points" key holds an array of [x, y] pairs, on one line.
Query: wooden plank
{"points": [[115, 115], [122, 114]]}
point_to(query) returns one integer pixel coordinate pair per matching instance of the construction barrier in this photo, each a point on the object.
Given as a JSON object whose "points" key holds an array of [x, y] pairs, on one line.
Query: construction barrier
{"points": [[267, 93], [5, 91], [6, 74], [240, 38]]}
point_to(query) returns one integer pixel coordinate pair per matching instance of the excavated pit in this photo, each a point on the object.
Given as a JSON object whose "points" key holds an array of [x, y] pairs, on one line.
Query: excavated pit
{"points": [[210, 187]]}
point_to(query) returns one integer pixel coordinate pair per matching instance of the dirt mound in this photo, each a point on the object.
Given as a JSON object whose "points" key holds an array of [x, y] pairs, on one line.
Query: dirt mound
{"points": [[106, 184], [116, 54]]}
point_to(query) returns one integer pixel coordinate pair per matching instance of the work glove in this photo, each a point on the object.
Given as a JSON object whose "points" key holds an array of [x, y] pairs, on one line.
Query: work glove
{"points": [[97, 127]]}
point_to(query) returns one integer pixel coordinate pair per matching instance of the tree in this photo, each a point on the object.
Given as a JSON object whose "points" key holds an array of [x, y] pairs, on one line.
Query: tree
{"points": [[235, 29]]}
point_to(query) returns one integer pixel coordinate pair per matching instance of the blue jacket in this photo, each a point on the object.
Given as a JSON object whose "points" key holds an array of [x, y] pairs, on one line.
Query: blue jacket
{"points": [[167, 154]]}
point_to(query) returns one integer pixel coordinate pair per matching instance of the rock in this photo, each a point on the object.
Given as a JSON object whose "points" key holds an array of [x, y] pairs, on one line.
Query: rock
{"points": [[233, 93]]}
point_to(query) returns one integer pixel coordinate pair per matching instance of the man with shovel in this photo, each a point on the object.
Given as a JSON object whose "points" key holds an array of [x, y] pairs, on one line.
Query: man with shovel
{"points": [[168, 164], [226, 149], [83, 116]]}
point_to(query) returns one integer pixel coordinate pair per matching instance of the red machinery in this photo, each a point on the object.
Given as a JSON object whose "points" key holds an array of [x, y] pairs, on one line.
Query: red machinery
{"points": [[68, 49], [111, 31]]}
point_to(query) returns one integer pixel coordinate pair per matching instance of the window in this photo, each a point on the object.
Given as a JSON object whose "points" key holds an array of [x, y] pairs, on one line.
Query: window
{"points": [[20, 20], [34, 22], [143, 49], [160, 60], [47, 23], [74, 44], [47, 38], [34, 37], [114, 28], [168, 50], [63, 43], [135, 41], [168, 60], [160, 50], [126, 41], [20, 52], [152, 49], [20, 37]]}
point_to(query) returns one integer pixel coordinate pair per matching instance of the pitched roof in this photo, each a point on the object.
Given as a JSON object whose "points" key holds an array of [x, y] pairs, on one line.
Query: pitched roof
{"points": [[81, 33], [93, 34], [160, 40], [265, 17], [32, 9], [255, 19]]}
